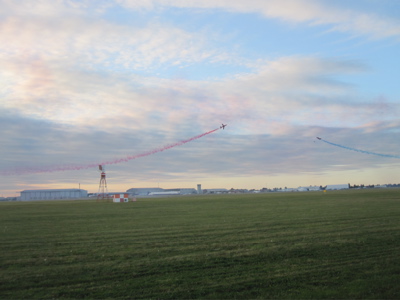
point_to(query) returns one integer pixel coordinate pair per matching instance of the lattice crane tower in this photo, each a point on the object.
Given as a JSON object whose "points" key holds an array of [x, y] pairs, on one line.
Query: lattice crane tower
{"points": [[103, 192]]}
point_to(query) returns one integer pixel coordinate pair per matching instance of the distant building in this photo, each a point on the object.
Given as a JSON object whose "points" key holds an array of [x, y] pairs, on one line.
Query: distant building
{"points": [[337, 186], [160, 191], [8, 198], [308, 188], [238, 191], [182, 191], [53, 194], [216, 191], [381, 186], [143, 191], [164, 193], [288, 190], [110, 194]]}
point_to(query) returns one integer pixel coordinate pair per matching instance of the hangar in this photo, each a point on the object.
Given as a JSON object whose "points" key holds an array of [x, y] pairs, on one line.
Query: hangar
{"points": [[143, 191], [159, 191], [337, 186], [53, 194]]}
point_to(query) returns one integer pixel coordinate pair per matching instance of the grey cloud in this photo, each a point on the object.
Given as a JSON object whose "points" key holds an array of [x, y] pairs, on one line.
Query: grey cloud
{"points": [[221, 154], [248, 155]]}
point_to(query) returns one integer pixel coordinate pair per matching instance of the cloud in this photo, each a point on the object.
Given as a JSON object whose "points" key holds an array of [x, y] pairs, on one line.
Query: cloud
{"points": [[97, 44], [312, 12], [37, 143], [307, 74], [294, 90], [42, 8], [76, 70], [66, 67]]}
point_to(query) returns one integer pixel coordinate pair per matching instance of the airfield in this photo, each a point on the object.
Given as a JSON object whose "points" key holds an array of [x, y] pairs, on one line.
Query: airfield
{"points": [[309, 245]]}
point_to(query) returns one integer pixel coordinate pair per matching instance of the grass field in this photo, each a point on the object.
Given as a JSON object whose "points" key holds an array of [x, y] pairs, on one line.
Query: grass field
{"points": [[343, 244]]}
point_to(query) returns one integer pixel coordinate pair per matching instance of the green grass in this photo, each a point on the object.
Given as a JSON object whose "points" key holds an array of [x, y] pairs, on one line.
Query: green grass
{"points": [[343, 244]]}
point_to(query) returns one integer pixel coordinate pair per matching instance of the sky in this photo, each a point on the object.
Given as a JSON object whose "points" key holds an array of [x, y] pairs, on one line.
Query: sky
{"points": [[87, 82]]}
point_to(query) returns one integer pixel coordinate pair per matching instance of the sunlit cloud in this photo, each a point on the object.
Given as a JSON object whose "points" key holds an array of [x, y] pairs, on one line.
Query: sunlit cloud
{"points": [[295, 90], [313, 12], [99, 44]]}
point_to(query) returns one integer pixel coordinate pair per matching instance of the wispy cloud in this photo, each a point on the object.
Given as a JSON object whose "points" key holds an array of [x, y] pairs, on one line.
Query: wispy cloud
{"points": [[310, 11], [99, 44], [287, 90]]}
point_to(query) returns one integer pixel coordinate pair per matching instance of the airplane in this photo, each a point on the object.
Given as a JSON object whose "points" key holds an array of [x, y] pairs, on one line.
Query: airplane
{"points": [[318, 138], [223, 126]]}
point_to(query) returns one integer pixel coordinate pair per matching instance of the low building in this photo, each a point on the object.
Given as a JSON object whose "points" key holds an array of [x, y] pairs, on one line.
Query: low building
{"points": [[381, 186], [143, 191], [215, 191], [337, 186], [308, 188], [164, 193], [286, 189], [159, 191], [182, 191], [53, 194]]}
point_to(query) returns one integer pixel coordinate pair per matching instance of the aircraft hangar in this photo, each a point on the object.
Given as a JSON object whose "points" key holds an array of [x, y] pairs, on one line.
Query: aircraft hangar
{"points": [[53, 194]]}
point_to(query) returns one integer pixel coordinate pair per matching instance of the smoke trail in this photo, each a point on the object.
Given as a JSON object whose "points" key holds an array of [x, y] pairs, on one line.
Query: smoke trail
{"points": [[358, 150], [95, 165]]}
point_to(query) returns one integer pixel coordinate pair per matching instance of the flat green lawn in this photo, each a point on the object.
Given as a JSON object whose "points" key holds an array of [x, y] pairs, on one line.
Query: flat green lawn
{"points": [[343, 244]]}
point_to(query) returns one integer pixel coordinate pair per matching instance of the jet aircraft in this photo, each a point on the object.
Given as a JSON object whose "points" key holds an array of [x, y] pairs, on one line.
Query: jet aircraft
{"points": [[223, 126]]}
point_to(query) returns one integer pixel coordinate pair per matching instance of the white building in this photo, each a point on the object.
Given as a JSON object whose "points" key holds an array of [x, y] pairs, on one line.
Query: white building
{"points": [[288, 190], [143, 191], [53, 194], [308, 188], [182, 191], [164, 193], [159, 191], [337, 186]]}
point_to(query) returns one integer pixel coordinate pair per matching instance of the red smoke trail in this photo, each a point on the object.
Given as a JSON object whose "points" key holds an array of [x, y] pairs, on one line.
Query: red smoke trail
{"points": [[95, 165]]}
